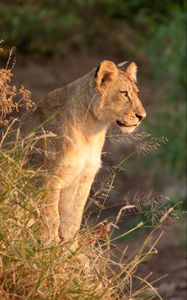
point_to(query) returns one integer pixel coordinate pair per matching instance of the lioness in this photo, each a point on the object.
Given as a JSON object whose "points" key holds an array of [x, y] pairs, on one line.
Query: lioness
{"points": [[78, 115]]}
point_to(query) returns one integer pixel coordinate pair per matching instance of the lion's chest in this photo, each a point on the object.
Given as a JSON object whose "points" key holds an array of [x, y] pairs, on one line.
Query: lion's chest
{"points": [[92, 158], [88, 158], [84, 161]]}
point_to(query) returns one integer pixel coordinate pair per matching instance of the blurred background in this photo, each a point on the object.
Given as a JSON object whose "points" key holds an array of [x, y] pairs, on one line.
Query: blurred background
{"points": [[60, 40]]}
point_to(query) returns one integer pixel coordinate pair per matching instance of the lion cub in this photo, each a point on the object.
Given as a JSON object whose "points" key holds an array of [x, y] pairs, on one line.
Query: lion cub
{"points": [[78, 116]]}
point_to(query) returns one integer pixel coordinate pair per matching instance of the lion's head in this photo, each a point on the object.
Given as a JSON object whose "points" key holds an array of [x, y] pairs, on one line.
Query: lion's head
{"points": [[119, 101]]}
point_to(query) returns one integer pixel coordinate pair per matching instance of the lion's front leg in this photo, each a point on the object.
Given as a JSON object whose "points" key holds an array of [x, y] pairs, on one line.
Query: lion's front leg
{"points": [[71, 206], [49, 211]]}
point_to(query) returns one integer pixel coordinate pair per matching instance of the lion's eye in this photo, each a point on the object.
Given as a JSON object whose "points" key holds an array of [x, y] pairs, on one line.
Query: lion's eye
{"points": [[124, 93]]}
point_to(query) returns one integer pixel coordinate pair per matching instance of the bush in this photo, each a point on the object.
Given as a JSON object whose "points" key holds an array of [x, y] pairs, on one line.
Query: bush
{"points": [[167, 52], [52, 27]]}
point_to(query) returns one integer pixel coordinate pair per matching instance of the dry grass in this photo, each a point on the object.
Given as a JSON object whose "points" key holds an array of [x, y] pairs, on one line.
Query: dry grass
{"points": [[31, 270]]}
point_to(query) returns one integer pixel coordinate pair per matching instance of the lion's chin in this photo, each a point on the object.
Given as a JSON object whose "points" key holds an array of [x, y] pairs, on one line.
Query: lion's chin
{"points": [[128, 129]]}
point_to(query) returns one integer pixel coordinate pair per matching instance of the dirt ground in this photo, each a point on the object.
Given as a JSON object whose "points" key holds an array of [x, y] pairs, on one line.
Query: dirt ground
{"points": [[42, 76], [167, 268]]}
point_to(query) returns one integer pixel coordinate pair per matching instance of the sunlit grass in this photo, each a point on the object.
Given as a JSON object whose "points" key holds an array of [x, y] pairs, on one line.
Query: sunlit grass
{"points": [[32, 270]]}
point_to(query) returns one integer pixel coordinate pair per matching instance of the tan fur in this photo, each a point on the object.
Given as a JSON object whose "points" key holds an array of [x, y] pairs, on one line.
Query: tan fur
{"points": [[78, 115]]}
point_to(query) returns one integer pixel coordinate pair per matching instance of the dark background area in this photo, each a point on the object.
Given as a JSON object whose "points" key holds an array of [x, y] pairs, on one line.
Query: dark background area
{"points": [[58, 41]]}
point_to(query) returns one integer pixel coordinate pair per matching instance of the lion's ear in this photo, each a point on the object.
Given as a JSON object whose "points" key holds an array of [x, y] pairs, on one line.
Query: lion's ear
{"points": [[106, 73], [131, 71]]}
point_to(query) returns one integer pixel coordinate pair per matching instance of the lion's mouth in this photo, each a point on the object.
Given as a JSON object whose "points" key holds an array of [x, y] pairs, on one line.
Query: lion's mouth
{"points": [[122, 124]]}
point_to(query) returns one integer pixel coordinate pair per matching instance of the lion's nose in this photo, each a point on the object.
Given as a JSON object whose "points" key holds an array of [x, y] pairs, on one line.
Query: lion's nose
{"points": [[141, 116]]}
